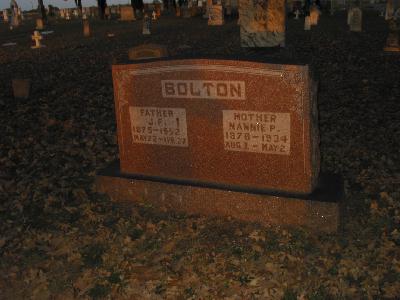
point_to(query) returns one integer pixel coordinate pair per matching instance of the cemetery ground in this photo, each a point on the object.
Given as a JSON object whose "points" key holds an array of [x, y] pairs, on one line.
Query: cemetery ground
{"points": [[60, 239]]}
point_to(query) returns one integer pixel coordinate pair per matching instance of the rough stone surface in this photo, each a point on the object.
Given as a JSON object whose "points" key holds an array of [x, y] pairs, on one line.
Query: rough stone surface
{"points": [[228, 122], [262, 23], [321, 216]]}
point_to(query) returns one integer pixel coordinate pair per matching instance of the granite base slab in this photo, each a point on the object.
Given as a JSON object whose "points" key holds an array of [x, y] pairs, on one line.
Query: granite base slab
{"points": [[319, 211]]}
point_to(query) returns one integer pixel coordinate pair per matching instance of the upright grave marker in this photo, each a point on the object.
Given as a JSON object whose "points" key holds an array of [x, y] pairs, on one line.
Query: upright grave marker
{"points": [[263, 110], [209, 126], [86, 28], [186, 12], [392, 41], [37, 37], [355, 21], [146, 27], [389, 9], [216, 15], [228, 7], [127, 13], [314, 15], [5, 15], [39, 24], [307, 23], [332, 8], [262, 23], [296, 14]]}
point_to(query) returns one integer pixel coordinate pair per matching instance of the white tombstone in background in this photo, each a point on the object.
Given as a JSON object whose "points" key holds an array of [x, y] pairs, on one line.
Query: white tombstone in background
{"points": [[307, 23], [5, 15], [397, 14], [355, 19], [21, 14], [332, 8], [349, 16], [389, 9], [146, 25]]}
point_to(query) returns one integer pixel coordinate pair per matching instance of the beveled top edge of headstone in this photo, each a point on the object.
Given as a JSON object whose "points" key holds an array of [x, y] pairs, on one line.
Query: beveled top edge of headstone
{"points": [[167, 61], [241, 58]]}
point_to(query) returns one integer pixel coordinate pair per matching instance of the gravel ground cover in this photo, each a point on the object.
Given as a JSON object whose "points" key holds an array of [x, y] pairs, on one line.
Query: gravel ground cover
{"points": [[59, 239]]}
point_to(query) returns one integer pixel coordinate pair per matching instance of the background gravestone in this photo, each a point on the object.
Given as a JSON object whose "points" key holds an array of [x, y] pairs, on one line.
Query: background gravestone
{"points": [[127, 13], [389, 9], [307, 23], [262, 23], [5, 16], [21, 88], [392, 41], [216, 15], [86, 28], [39, 24], [314, 15], [355, 19]]}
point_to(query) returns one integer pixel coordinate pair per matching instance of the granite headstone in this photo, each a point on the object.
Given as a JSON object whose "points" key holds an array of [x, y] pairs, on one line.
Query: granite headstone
{"points": [[262, 23]]}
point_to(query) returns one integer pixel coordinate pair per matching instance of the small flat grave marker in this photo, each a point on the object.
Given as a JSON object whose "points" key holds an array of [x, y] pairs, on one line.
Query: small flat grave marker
{"points": [[21, 88], [147, 51], [9, 44]]}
